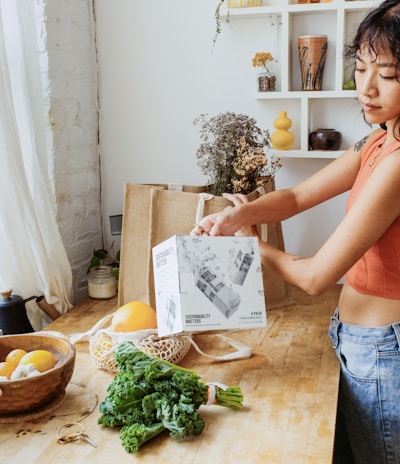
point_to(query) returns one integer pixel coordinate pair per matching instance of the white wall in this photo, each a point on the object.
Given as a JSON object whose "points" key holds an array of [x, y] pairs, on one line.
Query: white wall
{"points": [[157, 73], [67, 54]]}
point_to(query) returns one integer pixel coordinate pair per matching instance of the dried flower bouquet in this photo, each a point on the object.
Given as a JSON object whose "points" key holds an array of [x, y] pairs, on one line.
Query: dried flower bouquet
{"points": [[234, 153]]}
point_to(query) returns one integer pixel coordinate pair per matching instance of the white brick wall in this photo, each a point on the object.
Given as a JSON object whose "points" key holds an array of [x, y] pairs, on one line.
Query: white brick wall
{"points": [[68, 57]]}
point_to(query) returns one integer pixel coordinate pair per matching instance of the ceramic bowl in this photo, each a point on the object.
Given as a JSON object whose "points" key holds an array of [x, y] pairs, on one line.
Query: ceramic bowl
{"points": [[325, 139], [28, 394]]}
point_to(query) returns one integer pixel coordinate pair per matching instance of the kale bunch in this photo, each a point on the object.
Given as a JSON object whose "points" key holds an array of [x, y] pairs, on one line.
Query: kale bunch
{"points": [[149, 395]]}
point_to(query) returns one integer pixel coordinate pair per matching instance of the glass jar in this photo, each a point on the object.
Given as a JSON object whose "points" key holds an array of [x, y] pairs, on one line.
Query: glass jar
{"points": [[102, 283], [266, 81]]}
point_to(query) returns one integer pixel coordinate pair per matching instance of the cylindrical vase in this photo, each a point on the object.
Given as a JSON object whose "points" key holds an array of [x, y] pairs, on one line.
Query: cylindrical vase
{"points": [[312, 54]]}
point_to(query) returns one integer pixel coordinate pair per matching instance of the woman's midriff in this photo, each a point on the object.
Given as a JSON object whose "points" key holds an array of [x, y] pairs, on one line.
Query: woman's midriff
{"points": [[366, 310]]}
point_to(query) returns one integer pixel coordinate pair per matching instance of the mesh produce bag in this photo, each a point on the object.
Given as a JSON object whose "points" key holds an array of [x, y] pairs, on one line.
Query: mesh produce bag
{"points": [[104, 341], [172, 348]]}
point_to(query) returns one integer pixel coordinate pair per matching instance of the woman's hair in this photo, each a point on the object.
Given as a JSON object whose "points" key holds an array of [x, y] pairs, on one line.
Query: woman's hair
{"points": [[379, 31]]}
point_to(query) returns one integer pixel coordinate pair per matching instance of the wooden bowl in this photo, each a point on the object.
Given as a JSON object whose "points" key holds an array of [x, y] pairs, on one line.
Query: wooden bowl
{"points": [[17, 396]]}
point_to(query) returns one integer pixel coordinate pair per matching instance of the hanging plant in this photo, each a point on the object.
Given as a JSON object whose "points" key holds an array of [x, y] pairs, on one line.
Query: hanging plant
{"points": [[230, 4], [218, 23]]}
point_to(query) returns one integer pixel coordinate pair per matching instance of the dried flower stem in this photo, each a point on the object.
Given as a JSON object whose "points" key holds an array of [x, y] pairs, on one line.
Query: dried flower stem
{"points": [[261, 59]]}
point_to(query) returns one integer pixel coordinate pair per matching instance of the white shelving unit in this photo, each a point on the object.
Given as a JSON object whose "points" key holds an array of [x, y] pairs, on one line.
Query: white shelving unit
{"points": [[314, 109]]}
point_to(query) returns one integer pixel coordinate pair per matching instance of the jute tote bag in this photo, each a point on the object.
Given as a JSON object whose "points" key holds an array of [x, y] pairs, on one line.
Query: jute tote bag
{"points": [[154, 213]]}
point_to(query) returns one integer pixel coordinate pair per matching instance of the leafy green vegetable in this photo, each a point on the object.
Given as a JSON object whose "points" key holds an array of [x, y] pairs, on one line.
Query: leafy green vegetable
{"points": [[134, 435], [150, 395]]}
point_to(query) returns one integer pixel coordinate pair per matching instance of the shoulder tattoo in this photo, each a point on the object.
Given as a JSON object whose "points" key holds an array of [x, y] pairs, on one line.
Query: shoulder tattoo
{"points": [[359, 145], [298, 258]]}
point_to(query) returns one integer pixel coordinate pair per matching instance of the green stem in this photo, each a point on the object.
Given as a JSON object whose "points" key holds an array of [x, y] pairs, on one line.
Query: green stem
{"points": [[231, 398]]}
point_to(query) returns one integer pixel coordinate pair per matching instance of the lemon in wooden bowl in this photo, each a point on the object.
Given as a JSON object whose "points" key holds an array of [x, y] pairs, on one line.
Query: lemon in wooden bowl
{"points": [[51, 360]]}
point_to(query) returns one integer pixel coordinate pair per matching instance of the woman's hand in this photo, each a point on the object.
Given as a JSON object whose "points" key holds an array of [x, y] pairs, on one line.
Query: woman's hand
{"points": [[227, 221], [239, 199], [205, 225]]}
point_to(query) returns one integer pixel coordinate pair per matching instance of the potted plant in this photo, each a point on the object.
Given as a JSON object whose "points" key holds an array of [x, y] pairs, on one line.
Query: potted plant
{"points": [[106, 257], [234, 153], [266, 79]]}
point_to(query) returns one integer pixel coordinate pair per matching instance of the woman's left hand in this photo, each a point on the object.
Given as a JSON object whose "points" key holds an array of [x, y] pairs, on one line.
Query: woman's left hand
{"points": [[240, 199]]}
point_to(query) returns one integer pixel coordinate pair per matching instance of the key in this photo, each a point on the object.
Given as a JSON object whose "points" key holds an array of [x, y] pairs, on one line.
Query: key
{"points": [[77, 435], [86, 437]]}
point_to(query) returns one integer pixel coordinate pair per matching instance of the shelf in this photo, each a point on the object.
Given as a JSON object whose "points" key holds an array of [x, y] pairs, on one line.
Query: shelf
{"points": [[331, 107], [310, 154], [295, 8], [305, 94]]}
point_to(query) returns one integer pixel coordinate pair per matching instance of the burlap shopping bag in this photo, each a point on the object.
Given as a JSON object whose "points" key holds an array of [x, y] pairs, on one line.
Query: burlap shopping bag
{"points": [[154, 213]]}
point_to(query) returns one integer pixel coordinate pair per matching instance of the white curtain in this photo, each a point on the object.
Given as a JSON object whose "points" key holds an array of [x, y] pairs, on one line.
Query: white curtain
{"points": [[33, 260]]}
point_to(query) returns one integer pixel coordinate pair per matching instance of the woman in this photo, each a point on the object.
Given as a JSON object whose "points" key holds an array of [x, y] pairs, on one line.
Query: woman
{"points": [[365, 247]]}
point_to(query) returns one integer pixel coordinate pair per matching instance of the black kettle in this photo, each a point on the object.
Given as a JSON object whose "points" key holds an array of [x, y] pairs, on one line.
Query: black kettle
{"points": [[13, 318]]}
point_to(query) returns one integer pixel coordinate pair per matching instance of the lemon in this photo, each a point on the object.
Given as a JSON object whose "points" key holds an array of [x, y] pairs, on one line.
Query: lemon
{"points": [[6, 369], [134, 316], [42, 360], [15, 356]]}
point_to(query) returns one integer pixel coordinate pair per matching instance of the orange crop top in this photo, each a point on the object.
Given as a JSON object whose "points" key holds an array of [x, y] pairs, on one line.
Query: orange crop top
{"points": [[377, 272]]}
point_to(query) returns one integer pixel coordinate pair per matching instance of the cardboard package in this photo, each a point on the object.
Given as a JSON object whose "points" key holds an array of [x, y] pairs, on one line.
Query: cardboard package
{"points": [[208, 283]]}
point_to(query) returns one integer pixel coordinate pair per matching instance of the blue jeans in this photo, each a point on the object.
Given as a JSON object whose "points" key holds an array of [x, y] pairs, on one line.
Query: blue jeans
{"points": [[368, 417]]}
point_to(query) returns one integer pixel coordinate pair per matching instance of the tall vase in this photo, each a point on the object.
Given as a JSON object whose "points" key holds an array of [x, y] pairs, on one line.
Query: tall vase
{"points": [[282, 139], [312, 54]]}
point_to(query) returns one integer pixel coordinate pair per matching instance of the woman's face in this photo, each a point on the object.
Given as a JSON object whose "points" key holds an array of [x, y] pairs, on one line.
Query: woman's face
{"points": [[378, 86]]}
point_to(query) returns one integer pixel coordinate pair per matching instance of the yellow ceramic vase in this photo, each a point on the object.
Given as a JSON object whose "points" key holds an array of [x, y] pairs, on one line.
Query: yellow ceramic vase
{"points": [[282, 139]]}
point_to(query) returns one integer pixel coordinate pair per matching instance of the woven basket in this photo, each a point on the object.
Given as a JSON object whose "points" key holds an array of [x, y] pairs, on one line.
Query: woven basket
{"points": [[243, 3]]}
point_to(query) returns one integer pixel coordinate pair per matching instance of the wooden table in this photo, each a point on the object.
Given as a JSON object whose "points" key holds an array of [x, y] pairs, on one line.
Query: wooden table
{"points": [[289, 384]]}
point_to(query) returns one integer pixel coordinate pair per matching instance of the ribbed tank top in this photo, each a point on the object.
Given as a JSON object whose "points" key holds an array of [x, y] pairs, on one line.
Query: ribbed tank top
{"points": [[377, 272]]}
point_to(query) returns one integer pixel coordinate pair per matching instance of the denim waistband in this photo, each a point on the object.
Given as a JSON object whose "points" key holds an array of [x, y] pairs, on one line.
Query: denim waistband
{"points": [[361, 334]]}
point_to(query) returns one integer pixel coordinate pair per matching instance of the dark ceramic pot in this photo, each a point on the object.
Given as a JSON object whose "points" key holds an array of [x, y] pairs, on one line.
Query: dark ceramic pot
{"points": [[325, 139]]}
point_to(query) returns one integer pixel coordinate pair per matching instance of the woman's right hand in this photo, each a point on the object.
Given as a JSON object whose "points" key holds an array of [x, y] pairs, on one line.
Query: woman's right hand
{"points": [[205, 225]]}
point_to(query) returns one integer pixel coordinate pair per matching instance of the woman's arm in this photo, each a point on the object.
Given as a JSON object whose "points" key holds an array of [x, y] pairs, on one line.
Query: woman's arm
{"points": [[373, 212], [334, 179]]}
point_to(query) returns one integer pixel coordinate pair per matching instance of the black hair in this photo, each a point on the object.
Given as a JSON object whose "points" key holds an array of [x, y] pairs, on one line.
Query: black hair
{"points": [[379, 30]]}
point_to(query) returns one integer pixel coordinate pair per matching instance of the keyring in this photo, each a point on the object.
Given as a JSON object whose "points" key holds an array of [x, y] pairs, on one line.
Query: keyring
{"points": [[78, 435], [67, 437]]}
